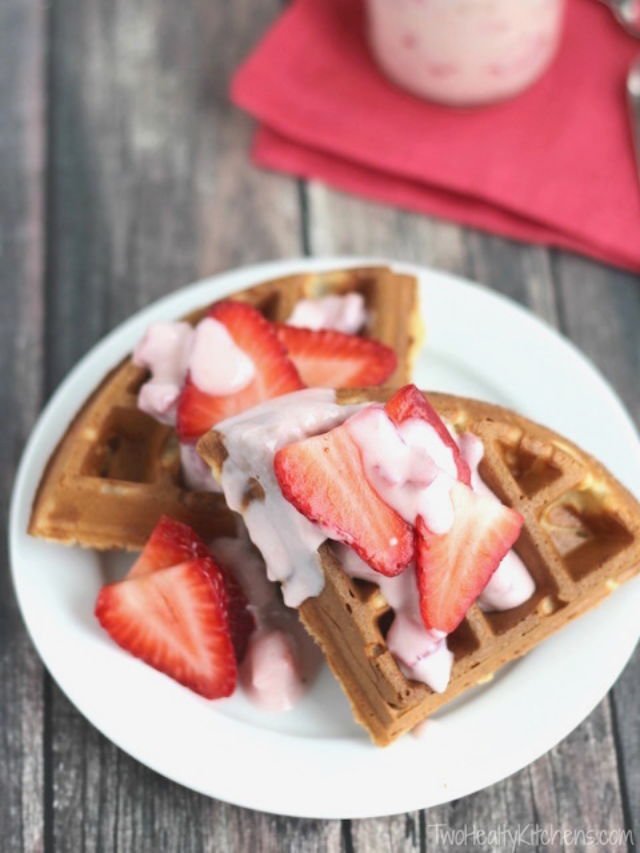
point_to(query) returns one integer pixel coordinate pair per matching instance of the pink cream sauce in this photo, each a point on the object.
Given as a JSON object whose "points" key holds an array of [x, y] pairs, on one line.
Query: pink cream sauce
{"points": [[408, 478], [171, 350], [342, 313], [281, 660], [208, 353]]}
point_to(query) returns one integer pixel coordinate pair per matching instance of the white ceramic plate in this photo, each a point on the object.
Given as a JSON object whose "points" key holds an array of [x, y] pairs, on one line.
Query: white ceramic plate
{"points": [[315, 761]]}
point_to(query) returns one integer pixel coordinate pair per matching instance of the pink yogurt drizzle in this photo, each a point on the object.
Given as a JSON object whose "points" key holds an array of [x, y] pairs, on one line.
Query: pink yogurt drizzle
{"points": [[171, 350], [165, 351], [216, 365], [208, 353], [345, 313], [281, 660], [399, 468]]}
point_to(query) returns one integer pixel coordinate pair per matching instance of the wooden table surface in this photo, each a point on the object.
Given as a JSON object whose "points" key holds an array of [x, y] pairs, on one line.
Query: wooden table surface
{"points": [[124, 174]]}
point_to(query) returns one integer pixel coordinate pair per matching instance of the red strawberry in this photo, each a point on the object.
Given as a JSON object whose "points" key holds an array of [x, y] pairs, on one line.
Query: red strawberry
{"points": [[328, 359], [175, 620], [454, 568], [197, 411], [324, 478], [409, 402], [173, 542], [241, 621]]}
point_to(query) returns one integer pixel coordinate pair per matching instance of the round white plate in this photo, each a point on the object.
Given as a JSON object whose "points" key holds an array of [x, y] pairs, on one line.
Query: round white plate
{"points": [[315, 761]]}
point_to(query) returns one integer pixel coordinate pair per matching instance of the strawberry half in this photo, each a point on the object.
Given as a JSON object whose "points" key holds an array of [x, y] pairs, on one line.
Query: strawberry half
{"points": [[173, 542], [170, 543], [176, 621], [241, 621], [329, 359], [198, 412], [409, 402], [455, 567], [324, 478]]}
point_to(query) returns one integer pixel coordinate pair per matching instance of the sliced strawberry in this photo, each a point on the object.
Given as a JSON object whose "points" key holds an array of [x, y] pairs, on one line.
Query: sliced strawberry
{"points": [[324, 478], [197, 411], [329, 359], [173, 542], [241, 621], [409, 402], [176, 621], [454, 568]]}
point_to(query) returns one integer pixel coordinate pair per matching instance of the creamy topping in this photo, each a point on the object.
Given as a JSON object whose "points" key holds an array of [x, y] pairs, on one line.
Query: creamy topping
{"points": [[288, 541], [409, 466], [217, 364], [197, 475], [269, 672], [421, 654], [397, 461], [165, 351], [346, 313], [509, 586], [281, 660]]}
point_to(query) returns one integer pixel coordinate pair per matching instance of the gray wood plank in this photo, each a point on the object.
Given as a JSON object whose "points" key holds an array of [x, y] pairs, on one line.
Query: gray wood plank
{"points": [[600, 309], [22, 131], [151, 187], [577, 784], [386, 835], [340, 224], [105, 801]]}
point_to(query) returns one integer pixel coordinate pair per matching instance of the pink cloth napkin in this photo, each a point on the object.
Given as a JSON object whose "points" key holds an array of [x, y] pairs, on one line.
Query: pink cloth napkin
{"points": [[553, 166]]}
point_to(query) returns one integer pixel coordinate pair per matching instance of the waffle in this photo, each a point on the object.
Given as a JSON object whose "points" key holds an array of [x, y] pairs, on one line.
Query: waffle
{"points": [[580, 540], [116, 470]]}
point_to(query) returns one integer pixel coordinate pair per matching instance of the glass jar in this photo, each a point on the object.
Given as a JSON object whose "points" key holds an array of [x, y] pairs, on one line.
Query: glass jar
{"points": [[464, 52]]}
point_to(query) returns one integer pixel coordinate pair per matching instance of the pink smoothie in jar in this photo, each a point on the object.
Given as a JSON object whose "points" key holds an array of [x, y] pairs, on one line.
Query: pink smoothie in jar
{"points": [[464, 52]]}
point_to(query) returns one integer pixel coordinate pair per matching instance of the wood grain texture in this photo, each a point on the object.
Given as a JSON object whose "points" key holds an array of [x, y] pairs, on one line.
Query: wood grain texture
{"points": [[21, 289]]}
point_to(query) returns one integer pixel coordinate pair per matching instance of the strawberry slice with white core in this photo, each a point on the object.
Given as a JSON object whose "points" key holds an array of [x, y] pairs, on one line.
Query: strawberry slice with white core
{"points": [[175, 620], [409, 403], [453, 568], [173, 542], [328, 359], [324, 478], [275, 373], [170, 543]]}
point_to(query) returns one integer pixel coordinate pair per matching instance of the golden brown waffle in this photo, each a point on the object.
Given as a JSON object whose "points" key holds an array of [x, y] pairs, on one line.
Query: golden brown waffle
{"points": [[580, 540], [116, 470]]}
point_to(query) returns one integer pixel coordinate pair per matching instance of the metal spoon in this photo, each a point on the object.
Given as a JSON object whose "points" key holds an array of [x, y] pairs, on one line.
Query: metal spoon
{"points": [[627, 13]]}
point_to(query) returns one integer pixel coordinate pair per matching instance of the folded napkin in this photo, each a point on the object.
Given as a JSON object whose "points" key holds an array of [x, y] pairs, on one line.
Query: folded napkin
{"points": [[553, 166]]}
